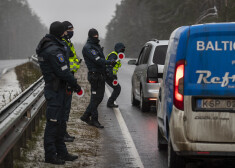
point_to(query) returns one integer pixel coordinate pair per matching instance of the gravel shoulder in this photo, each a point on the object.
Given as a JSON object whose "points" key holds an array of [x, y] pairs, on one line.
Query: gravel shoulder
{"points": [[88, 142]]}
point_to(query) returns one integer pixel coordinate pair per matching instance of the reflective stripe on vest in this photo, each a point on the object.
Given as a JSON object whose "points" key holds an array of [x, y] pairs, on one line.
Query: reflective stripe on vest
{"points": [[73, 61], [118, 64]]}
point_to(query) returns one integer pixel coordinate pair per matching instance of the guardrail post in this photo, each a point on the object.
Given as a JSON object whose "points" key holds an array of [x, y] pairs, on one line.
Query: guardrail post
{"points": [[23, 140], [8, 161], [33, 125], [29, 131], [37, 122], [16, 150]]}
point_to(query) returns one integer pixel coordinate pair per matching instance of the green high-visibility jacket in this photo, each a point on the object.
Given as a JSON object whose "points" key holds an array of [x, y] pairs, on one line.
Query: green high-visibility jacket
{"points": [[73, 60], [118, 64]]}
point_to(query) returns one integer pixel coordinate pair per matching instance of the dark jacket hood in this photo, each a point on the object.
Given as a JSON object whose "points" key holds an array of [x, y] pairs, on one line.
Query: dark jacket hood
{"points": [[46, 42]]}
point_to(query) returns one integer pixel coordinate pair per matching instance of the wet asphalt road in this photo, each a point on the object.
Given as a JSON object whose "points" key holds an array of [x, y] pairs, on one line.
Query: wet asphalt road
{"points": [[142, 127], [143, 130]]}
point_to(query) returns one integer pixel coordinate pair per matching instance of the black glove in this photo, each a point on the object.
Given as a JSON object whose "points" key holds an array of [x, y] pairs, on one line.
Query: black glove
{"points": [[80, 61], [69, 88], [77, 89]]}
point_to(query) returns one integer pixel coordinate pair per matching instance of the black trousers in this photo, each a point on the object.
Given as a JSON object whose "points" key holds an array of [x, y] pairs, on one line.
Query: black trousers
{"points": [[97, 82], [116, 89], [56, 125], [68, 101]]}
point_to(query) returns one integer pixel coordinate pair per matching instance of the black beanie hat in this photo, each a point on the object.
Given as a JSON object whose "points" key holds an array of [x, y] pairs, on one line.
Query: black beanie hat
{"points": [[92, 32], [67, 25], [119, 46], [57, 29]]}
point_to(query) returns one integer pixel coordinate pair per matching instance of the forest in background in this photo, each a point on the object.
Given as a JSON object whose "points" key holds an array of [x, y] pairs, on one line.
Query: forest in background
{"points": [[20, 29], [134, 23], [137, 21]]}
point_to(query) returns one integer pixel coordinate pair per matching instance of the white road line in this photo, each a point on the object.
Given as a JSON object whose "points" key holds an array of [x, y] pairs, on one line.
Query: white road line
{"points": [[127, 136]]}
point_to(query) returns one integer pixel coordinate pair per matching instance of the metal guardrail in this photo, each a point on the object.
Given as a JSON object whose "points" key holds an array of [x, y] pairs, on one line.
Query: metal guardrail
{"points": [[19, 119]]}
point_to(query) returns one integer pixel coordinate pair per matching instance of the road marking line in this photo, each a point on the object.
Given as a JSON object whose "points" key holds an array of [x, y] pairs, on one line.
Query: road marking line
{"points": [[127, 136]]}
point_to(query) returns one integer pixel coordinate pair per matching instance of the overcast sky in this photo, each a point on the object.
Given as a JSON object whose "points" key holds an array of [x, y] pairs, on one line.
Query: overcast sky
{"points": [[83, 14]]}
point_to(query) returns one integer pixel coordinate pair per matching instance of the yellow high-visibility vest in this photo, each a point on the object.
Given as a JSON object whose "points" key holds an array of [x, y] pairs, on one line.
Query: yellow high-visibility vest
{"points": [[73, 61], [118, 64]]}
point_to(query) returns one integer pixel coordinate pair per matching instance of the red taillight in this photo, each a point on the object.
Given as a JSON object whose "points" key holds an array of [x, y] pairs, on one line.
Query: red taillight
{"points": [[151, 81], [179, 85]]}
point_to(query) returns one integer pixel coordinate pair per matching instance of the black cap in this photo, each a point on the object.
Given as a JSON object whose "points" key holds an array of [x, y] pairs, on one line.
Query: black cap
{"points": [[119, 47], [57, 29], [67, 25], [92, 32]]}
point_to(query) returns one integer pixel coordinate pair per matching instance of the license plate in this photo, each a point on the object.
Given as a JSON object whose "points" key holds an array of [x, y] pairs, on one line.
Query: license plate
{"points": [[216, 104]]}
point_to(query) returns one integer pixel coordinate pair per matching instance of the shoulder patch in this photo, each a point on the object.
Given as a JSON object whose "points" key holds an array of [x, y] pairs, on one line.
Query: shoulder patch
{"points": [[93, 52], [60, 57]]}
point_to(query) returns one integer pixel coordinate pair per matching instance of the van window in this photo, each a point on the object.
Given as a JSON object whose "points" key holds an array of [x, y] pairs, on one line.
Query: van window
{"points": [[160, 54], [141, 56], [146, 54]]}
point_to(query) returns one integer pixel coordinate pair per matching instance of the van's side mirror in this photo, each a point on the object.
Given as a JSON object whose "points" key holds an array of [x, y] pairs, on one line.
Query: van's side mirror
{"points": [[132, 62], [152, 74]]}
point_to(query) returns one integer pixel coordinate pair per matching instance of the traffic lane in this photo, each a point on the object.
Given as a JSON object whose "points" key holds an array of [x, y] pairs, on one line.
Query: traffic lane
{"points": [[142, 126], [114, 148], [8, 64]]}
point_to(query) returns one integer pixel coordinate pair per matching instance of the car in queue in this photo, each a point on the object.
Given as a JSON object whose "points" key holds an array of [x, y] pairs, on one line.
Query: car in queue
{"points": [[147, 75]]}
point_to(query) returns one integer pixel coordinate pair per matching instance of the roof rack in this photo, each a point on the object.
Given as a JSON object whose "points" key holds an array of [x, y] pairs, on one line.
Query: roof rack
{"points": [[155, 40]]}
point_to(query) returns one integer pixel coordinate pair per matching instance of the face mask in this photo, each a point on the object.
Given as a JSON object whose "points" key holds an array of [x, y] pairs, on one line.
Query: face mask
{"points": [[95, 40], [122, 50], [70, 34]]}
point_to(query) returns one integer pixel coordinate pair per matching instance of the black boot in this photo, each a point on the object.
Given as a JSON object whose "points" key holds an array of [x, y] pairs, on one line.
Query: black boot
{"points": [[96, 124], [66, 139], [68, 157], [112, 105], [55, 160], [86, 119], [69, 136]]}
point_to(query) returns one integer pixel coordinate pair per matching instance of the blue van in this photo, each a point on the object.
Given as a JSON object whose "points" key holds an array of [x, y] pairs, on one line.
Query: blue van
{"points": [[196, 106]]}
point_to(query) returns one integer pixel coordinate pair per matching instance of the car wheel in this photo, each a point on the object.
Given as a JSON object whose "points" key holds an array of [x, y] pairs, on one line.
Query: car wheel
{"points": [[134, 102], [144, 105], [162, 143], [174, 160]]}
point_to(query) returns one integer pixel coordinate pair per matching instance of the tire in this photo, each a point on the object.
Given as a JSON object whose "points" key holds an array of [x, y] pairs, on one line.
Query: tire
{"points": [[161, 141], [144, 105], [134, 102], [174, 160]]}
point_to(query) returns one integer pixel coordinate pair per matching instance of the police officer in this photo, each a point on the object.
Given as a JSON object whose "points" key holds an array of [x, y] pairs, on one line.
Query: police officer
{"points": [[96, 64], [52, 54], [74, 66], [112, 74]]}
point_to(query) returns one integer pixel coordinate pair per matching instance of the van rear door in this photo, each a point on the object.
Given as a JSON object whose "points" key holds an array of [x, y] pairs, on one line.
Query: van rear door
{"points": [[209, 84]]}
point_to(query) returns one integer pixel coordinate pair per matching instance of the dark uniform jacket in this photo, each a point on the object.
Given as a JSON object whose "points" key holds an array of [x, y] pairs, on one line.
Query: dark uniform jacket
{"points": [[53, 59], [94, 57]]}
